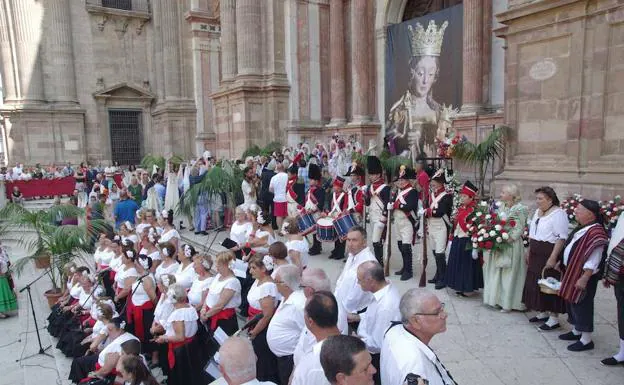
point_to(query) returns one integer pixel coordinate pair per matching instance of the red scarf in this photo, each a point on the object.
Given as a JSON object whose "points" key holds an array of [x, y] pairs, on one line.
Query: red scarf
{"points": [[222, 315], [134, 314], [174, 345]]}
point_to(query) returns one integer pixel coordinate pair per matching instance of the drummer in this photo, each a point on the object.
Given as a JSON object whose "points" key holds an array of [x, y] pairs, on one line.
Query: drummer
{"points": [[356, 193], [376, 197], [314, 202], [339, 206]]}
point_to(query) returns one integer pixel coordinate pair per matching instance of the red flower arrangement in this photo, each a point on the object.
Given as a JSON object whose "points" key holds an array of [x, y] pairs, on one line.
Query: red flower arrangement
{"points": [[488, 230], [612, 210], [569, 204], [446, 147]]}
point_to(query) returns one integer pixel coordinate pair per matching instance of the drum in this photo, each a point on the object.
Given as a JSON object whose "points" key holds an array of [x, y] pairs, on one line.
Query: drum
{"points": [[306, 223], [325, 231], [343, 224]]}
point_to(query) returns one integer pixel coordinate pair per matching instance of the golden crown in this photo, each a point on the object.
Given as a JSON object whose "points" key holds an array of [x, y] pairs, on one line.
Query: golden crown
{"points": [[427, 42], [448, 113]]}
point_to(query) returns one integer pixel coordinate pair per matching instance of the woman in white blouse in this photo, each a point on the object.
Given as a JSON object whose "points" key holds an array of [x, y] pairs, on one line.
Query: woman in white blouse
{"points": [[548, 230], [169, 265], [149, 242], [263, 236], [163, 310], [169, 234], [199, 289], [262, 298], [297, 245], [140, 309], [224, 295], [100, 250], [125, 277], [126, 231], [180, 329], [186, 272], [240, 231]]}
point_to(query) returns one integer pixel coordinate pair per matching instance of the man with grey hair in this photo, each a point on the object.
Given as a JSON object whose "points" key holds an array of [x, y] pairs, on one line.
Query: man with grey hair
{"points": [[288, 321], [237, 362], [314, 280], [405, 349]]}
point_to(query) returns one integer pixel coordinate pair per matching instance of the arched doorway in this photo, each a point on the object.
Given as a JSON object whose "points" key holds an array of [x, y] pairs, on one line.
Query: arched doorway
{"points": [[418, 8]]}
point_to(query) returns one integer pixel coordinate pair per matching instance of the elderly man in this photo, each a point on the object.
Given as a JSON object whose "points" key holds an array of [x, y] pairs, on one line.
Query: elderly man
{"points": [[321, 318], [348, 292], [381, 313], [314, 280], [237, 362], [405, 349], [346, 361], [287, 322]]}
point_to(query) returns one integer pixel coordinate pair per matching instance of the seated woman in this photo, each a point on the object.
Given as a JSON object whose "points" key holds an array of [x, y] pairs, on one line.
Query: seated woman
{"points": [[186, 272], [180, 329], [297, 245], [104, 312], [262, 237], [132, 371], [64, 319], [199, 289], [262, 298], [224, 295], [169, 265], [103, 364], [70, 278], [140, 308]]}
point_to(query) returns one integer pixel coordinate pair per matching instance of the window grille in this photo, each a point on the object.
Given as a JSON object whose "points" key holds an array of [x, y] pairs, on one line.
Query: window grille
{"points": [[125, 133]]}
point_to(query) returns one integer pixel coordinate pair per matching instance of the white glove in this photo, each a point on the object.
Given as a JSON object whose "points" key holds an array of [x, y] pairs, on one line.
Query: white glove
{"points": [[390, 206], [421, 212], [448, 246], [475, 254]]}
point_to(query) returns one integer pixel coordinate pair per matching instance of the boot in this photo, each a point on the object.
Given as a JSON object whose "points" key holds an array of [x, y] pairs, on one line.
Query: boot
{"points": [[400, 272], [406, 252], [441, 270], [316, 246], [378, 249]]}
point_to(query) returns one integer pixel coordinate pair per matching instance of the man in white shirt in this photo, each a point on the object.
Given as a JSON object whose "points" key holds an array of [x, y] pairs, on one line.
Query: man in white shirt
{"points": [[314, 280], [321, 318], [381, 313], [237, 362], [278, 187], [345, 361], [348, 292], [287, 322], [405, 349], [17, 171]]}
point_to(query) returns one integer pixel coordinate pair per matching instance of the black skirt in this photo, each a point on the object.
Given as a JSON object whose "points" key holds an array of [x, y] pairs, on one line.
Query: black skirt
{"points": [[189, 365], [81, 367], [463, 274], [266, 366], [532, 297]]}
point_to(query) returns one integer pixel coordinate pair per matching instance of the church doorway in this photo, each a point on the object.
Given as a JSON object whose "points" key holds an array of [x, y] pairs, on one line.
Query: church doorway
{"points": [[418, 8], [125, 135]]}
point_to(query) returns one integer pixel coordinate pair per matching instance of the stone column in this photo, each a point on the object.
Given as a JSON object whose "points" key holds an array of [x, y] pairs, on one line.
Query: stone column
{"points": [[20, 36], [171, 48], [228, 39], [249, 36], [60, 84], [360, 60], [337, 62], [472, 61]]}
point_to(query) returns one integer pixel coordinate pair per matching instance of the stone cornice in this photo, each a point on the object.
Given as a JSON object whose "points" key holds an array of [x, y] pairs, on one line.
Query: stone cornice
{"points": [[42, 109], [196, 16], [532, 8]]}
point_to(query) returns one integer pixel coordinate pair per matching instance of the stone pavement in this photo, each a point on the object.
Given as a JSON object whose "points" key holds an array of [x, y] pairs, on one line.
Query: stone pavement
{"points": [[481, 345]]}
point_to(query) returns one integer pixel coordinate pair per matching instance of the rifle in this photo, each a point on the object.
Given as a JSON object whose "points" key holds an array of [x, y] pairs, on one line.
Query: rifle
{"points": [[389, 236]]}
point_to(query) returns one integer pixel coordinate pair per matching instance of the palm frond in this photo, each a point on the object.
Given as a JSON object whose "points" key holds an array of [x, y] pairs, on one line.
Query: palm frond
{"points": [[150, 160]]}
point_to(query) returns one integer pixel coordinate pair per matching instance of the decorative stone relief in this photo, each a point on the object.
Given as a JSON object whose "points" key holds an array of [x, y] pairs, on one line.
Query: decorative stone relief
{"points": [[543, 70], [121, 26], [101, 21], [140, 24]]}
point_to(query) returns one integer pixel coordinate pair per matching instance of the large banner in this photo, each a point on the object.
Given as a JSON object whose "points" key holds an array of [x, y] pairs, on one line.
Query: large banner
{"points": [[423, 80]]}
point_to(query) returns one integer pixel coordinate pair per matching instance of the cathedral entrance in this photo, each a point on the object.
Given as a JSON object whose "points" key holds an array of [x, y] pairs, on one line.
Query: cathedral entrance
{"points": [[125, 134]]}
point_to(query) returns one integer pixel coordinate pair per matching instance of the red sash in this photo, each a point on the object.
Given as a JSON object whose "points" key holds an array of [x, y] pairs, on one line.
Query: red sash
{"points": [[252, 312], [134, 314], [222, 315], [172, 347]]}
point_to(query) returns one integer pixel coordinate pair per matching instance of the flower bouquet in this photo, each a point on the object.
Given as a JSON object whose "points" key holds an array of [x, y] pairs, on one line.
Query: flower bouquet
{"points": [[525, 237], [611, 211], [568, 205], [488, 230], [446, 147]]}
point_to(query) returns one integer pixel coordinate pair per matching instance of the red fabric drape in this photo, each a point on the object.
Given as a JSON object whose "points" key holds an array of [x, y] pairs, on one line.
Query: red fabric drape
{"points": [[42, 187]]}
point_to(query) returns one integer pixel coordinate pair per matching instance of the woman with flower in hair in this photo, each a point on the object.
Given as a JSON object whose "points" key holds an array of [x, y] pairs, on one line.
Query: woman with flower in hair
{"points": [[262, 237], [186, 272], [168, 264], [262, 298], [125, 277], [163, 310], [169, 233], [150, 241], [126, 231], [199, 289], [140, 308], [224, 295], [297, 245]]}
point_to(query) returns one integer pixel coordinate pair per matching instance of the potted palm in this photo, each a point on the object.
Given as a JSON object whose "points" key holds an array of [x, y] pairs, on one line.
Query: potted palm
{"points": [[48, 243]]}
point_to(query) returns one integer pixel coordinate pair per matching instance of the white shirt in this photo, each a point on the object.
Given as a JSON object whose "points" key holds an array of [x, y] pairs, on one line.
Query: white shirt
{"points": [[197, 290], [286, 325], [105, 257], [278, 186], [348, 291], [115, 263], [256, 382], [307, 340], [185, 275], [186, 314], [140, 296], [258, 292], [239, 232], [122, 274], [163, 310], [551, 227], [132, 237], [302, 247], [378, 317], [162, 269], [309, 371], [248, 199], [168, 235], [593, 262], [270, 240], [114, 346], [217, 286], [402, 353]]}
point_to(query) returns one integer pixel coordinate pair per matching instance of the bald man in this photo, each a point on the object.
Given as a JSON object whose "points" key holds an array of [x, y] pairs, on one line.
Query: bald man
{"points": [[237, 362]]}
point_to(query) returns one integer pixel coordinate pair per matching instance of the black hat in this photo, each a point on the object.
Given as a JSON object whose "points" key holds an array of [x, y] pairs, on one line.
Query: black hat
{"points": [[355, 169], [373, 164], [439, 176], [314, 172], [594, 207], [405, 173], [293, 169]]}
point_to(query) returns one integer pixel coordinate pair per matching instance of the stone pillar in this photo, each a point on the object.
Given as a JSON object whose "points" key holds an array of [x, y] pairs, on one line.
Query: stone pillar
{"points": [[20, 36], [171, 48], [337, 62], [60, 80], [249, 37], [228, 39], [473, 57], [360, 61]]}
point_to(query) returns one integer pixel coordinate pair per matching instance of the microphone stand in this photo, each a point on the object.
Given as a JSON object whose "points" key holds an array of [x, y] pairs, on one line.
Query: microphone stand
{"points": [[217, 231]]}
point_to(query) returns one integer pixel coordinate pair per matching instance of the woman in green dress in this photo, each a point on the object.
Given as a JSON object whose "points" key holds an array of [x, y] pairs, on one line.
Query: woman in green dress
{"points": [[504, 272], [8, 301]]}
